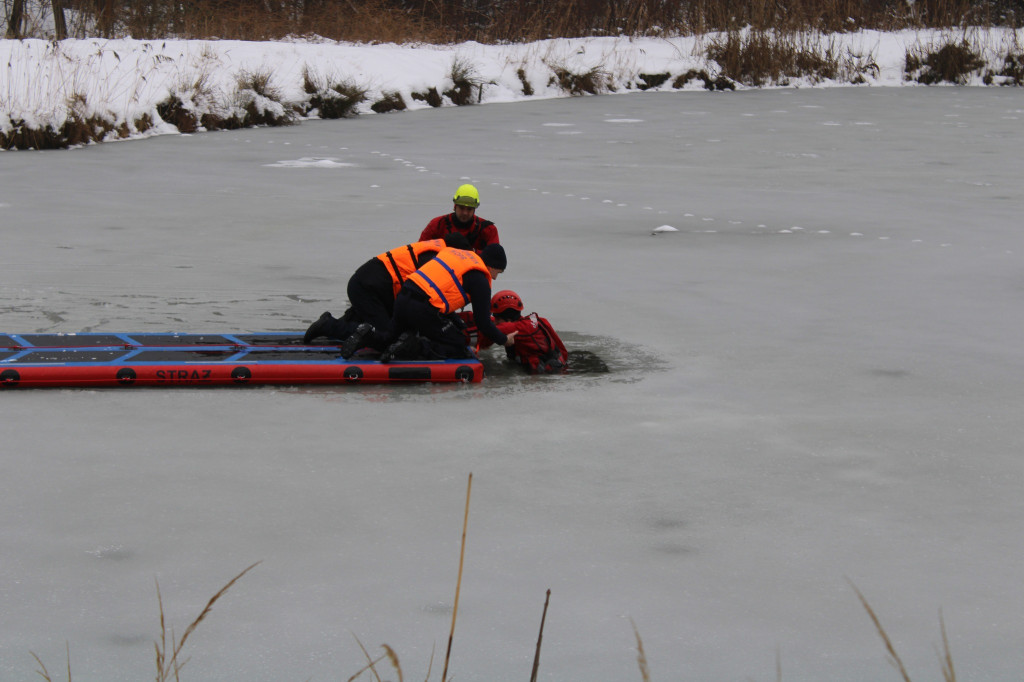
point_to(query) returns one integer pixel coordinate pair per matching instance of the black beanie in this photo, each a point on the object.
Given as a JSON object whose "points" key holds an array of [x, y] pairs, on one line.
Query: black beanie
{"points": [[494, 256], [457, 240]]}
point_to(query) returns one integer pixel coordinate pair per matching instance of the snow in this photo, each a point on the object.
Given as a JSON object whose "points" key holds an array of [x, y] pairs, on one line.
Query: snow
{"points": [[815, 382], [123, 80]]}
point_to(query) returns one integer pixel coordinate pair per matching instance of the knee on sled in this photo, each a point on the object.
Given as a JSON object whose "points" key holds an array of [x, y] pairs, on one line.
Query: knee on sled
{"points": [[448, 343]]}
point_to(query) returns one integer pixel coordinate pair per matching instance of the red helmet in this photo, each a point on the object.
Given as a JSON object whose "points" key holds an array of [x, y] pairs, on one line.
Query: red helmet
{"points": [[505, 300]]}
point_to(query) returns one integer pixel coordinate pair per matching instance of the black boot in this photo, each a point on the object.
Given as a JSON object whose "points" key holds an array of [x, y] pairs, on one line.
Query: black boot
{"points": [[319, 328], [356, 340], [404, 348]]}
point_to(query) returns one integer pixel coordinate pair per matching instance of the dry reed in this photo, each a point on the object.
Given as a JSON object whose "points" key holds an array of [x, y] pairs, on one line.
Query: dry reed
{"points": [[371, 663], [945, 658], [458, 582], [170, 663], [641, 657], [540, 637], [168, 667], [44, 673]]}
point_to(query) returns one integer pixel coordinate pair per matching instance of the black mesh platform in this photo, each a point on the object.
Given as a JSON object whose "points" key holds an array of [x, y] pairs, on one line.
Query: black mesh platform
{"points": [[182, 355], [180, 340], [68, 356], [73, 340]]}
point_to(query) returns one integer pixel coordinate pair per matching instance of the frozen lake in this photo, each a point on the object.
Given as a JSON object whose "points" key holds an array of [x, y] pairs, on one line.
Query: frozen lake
{"points": [[816, 381]]}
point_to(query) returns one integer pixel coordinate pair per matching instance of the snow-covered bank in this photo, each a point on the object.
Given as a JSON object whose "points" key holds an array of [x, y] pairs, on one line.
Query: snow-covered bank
{"points": [[118, 84]]}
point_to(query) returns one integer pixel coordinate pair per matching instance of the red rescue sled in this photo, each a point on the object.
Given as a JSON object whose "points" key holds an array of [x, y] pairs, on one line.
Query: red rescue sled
{"points": [[153, 359]]}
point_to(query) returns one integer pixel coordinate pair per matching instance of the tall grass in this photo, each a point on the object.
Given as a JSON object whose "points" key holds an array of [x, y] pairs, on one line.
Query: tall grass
{"points": [[458, 582], [169, 658], [330, 96], [170, 661], [945, 657], [641, 657]]}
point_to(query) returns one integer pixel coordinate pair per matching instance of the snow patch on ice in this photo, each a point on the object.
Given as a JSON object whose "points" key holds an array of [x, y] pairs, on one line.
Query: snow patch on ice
{"points": [[311, 162]]}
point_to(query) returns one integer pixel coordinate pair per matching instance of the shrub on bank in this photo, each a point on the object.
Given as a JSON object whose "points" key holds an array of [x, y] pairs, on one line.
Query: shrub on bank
{"points": [[196, 101]]}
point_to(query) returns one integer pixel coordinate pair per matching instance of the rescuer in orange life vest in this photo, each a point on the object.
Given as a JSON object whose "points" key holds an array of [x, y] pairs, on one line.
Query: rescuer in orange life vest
{"points": [[371, 293], [463, 220], [428, 302]]}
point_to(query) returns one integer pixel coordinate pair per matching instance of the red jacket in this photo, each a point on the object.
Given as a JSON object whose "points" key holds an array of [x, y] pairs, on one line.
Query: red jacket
{"points": [[479, 232], [536, 346]]}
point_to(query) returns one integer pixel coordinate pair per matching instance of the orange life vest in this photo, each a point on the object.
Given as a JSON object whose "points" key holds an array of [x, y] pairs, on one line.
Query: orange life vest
{"points": [[403, 261], [441, 278]]}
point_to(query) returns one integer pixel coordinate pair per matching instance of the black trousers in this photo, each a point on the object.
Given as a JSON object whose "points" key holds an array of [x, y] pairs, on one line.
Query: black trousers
{"points": [[443, 333], [372, 299]]}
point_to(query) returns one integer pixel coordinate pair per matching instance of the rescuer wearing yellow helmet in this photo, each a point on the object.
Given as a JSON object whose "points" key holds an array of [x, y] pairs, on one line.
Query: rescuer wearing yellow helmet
{"points": [[463, 220]]}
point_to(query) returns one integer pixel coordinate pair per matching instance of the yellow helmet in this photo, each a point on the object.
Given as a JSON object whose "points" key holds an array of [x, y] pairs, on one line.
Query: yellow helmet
{"points": [[466, 195]]}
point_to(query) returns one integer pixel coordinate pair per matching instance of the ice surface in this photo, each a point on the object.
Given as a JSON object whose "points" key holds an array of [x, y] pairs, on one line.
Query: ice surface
{"points": [[816, 381]]}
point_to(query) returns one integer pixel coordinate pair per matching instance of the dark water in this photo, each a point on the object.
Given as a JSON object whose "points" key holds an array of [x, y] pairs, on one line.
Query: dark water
{"points": [[593, 361]]}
